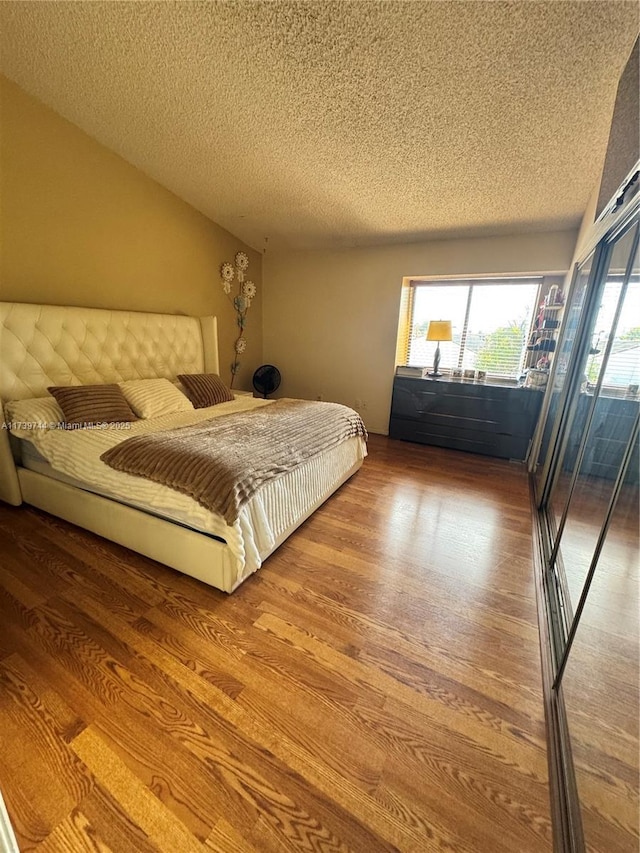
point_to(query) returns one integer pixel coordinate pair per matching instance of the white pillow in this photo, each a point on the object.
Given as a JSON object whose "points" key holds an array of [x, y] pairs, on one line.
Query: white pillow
{"points": [[35, 413], [152, 398]]}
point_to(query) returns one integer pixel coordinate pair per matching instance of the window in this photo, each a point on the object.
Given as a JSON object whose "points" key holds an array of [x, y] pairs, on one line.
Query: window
{"points": [[491, 322]]}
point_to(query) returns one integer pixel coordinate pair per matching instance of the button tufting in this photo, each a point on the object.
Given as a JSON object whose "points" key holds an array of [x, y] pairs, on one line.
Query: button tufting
{"points": [[45, 345]]}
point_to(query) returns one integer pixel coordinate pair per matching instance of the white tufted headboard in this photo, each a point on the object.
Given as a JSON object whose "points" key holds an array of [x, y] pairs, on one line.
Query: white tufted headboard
{"points": [[42, 345]]}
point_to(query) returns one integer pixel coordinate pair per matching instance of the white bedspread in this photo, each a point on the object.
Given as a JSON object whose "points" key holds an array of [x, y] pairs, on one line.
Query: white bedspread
{"points": [[273, 510]]}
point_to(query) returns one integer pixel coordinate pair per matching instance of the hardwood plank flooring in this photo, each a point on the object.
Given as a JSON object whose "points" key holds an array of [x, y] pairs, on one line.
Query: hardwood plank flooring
{"points": [[375, 687]]}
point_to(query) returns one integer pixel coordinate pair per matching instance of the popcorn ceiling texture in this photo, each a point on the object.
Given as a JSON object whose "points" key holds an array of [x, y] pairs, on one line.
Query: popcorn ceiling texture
{"points": [[340, 123]]}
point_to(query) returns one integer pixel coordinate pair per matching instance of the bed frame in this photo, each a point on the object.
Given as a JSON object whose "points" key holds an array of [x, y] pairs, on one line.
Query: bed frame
{"points": [[42, 345]]}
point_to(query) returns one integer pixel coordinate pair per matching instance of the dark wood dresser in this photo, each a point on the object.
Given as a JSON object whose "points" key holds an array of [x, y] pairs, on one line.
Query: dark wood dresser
{"points": [[495, 420]]}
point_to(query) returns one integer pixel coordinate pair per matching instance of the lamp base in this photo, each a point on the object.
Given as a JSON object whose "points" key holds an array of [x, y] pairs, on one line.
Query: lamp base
{"points": [[436, 363]]}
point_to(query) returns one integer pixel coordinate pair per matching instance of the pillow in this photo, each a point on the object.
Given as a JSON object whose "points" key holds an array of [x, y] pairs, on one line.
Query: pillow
{"points": [[151, 398], [205, 389], [33, 413], [92, 404]]}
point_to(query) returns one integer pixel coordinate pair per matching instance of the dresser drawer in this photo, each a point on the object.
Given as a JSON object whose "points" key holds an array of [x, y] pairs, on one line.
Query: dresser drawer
{"points": [[494, 420], [473, 441]]}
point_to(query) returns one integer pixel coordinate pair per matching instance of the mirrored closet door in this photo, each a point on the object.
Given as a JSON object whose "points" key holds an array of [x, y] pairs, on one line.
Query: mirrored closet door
{"points": [[574, 317], [600, 681], [600, 419], [586, 486]]}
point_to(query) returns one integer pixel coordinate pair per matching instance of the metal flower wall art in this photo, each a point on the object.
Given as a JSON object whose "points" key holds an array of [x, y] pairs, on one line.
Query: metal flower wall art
{"points": [[246, 290]]}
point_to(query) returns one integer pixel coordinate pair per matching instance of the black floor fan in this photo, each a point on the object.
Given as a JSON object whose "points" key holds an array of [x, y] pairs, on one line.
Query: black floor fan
{"points": [[266, 379]]}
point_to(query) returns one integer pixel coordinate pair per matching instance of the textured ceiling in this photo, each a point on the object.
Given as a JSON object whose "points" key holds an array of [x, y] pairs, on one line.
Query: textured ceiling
{"points": [[340, 123]]}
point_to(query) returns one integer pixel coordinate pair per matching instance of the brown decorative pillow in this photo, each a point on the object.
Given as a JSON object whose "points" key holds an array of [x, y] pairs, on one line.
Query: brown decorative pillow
{"points": [[93, 404], [205, 389]]}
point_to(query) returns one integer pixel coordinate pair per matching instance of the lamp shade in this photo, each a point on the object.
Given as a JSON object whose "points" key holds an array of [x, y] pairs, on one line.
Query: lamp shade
{"points": [[439, 330]]}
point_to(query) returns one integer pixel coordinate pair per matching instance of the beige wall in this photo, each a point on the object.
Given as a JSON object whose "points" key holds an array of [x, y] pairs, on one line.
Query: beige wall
{"points": [[331, 317], [585, 233], [81, 226]]}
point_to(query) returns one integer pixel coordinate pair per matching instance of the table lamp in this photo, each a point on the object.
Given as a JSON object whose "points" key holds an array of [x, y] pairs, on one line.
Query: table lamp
{"points": [[439, 330]]}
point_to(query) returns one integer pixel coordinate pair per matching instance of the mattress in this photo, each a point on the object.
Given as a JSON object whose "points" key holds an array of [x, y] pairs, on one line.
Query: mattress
{"points": [[31, 459], [74, 458]]}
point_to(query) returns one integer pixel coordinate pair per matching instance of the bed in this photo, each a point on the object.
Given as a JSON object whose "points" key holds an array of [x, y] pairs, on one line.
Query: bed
{"points": [[45, 345]]}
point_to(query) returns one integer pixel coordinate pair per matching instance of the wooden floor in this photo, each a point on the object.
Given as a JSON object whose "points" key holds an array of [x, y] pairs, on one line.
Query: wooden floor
{"points": [[375, 687]]}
